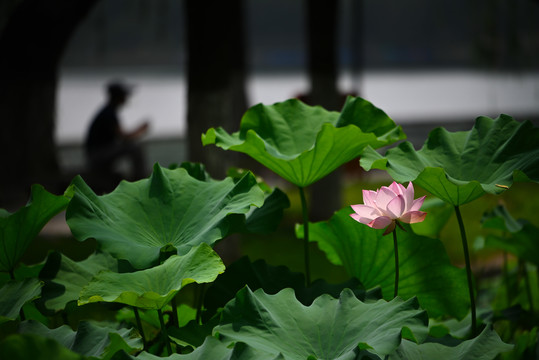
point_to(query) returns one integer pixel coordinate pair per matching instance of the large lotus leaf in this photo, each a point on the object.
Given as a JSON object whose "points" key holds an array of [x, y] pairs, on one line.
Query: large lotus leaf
{"points": [[259, 220], [256, 275], [28, 346], [65, 278], [424, 267], [486, 346], [259, 275], [170, 209], [328, 329], [154, 288], [302, 143], [194, 334], [14, 294], [459, 167], [17, 230], [272, 279], [90, 339]]}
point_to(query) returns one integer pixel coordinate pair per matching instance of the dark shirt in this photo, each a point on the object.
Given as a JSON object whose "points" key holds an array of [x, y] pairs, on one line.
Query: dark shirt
{"points": [[103, 130]]}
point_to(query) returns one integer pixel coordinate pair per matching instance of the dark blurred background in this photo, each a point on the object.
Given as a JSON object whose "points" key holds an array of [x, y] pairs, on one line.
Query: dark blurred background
{"points": [[198, 64]]}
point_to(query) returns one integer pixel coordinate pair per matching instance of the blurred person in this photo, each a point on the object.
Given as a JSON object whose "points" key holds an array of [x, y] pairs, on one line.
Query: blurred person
{"points": [[107, 142]]}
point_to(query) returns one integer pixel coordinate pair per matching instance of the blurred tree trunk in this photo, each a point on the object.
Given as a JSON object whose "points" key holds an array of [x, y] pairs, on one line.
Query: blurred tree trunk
{"points": [[216, 77], [32, 43], [322, 65]]}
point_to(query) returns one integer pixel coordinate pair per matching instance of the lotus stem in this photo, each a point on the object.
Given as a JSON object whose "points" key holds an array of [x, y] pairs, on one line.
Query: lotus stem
{"points": [[396, 292], [139, 326], [305, 211], [164, 332], [200, 292], [468, 270], [175, 320]]}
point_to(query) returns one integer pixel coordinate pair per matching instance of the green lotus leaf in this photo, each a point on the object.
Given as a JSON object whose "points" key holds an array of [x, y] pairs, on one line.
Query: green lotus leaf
{"points": [[523, 243], [154, 288], [65, 278], [18, 229], [28, 346], [196, 170], [193, 333], [499, 218], [425, 269], [170, 209], [211, 349], [459, 167], [517, 237], [513, 299], [256, 275], [14, 294], [439, 213], [453, 328], [302, 143], [328, 329], [22, 272], [272, 279], [486, 346], [91, 339], [525, 345], [265, 219], [259, 220]]}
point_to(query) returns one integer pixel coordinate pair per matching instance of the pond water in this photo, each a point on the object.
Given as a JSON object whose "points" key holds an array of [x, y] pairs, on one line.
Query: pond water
{"points": [[409, 97]]}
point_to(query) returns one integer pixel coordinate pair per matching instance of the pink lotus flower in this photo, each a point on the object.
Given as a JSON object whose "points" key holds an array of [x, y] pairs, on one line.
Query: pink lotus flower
{"points": [[389, 204]]}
